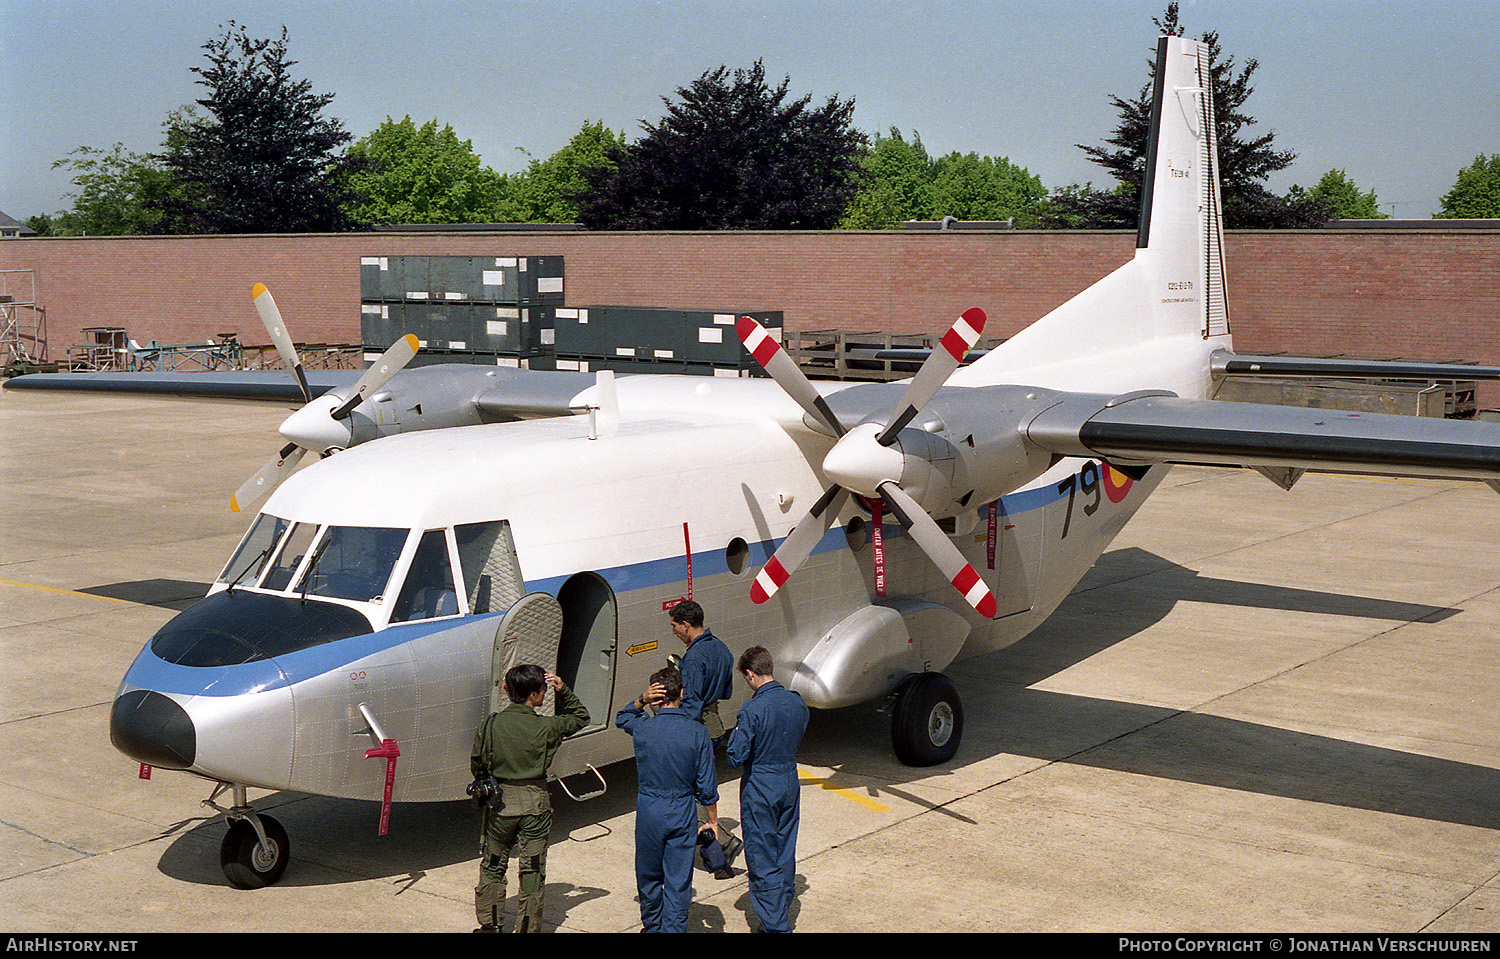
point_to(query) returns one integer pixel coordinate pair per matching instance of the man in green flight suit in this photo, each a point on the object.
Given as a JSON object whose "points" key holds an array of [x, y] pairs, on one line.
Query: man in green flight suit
{"points": [[515, 746]]}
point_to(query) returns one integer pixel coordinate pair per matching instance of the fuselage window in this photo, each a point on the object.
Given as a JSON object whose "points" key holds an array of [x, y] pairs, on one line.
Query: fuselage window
{"points": [[428, 591], [289, 557], [353, 562], [736, 555], [247, 562], [857, 533]]}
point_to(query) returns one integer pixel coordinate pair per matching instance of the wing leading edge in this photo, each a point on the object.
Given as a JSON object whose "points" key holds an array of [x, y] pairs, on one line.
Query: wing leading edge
{"points": [[236, 384], [1147, 428]]}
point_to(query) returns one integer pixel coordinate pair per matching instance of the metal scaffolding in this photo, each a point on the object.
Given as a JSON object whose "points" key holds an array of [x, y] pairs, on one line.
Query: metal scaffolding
{"points": [[23, 324]]}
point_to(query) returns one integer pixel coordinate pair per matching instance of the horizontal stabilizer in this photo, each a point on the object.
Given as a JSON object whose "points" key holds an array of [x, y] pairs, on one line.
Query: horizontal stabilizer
{"points": [[1225, 363], [1146, 428]]}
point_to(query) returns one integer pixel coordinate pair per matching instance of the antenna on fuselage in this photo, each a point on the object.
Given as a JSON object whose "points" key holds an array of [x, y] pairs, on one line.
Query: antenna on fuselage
{"points": [[606, 405]]}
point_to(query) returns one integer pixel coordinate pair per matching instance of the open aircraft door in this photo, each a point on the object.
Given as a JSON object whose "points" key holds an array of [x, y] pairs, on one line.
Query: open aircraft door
{"points": [[529, 632], [587, 652]]}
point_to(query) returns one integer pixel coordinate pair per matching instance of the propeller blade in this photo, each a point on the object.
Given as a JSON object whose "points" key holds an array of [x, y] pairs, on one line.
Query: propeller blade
{"points": [[267, 478], [799, 544], [926, 533], [940, 365], [389, 364], [265, 305], [775, 361]]}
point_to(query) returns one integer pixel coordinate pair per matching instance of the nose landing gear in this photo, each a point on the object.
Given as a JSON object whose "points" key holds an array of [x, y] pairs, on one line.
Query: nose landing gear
{"points": [[255, 850]]}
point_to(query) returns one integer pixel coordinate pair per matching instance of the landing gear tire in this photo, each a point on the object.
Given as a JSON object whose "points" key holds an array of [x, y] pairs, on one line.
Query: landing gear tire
{"points": [[249, 863], [928, 720]]}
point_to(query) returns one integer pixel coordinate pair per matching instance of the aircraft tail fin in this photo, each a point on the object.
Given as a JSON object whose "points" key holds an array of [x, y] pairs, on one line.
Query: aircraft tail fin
{"points": [[1170, 298], [1181, 223]]}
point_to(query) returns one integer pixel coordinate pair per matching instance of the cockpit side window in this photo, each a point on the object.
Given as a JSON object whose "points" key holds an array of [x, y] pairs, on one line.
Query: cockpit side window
{"points": [[249, 560], [353, 562], [289, 557], [492, 574], [428, 592]]}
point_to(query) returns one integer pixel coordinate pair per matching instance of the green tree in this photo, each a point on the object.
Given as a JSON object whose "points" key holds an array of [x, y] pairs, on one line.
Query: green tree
{"points": [[403, 173], [114, 192], [43, 224], [117, 190], [1245, 161], [263, 159], [1477, 192], [549, 190], [895, 184], [1340, 197], [973, 187], [899, 181], [731, 153]]}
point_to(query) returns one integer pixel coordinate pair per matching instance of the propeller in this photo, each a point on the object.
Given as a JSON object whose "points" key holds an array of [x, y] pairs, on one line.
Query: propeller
{"points": [[267, 477], [866, 462], [322, 424], [270, 316]]}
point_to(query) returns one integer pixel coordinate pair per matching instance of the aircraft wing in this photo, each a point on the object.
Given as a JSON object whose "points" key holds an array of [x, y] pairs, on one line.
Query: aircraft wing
{"points": [[1146, 428], [498, 393], [234, 384], [1225, 363]]}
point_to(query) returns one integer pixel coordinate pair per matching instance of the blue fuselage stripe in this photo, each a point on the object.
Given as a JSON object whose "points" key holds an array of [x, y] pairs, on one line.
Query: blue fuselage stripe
{"points": [[151, 672]]}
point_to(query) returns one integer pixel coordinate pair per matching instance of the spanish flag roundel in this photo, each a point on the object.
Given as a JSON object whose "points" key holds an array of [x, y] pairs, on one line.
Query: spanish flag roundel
{"points": [[1116, 483]]}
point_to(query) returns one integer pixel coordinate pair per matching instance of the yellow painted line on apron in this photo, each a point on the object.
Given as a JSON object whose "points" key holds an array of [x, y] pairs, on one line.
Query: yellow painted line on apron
{"points": [[849, 794], [64, 592]]}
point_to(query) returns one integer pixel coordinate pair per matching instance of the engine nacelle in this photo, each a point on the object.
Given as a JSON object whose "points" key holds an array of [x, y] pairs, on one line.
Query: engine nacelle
{"points": [[969, 447]]}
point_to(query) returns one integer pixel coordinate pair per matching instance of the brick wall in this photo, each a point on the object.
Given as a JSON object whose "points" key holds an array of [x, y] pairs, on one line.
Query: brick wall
{"points": [[1432, 294]]}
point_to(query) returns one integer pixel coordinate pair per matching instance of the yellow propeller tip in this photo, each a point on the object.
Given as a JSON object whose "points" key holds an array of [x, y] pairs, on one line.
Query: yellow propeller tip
{"points": [[412, 341], [234, 504], [257, 290]]}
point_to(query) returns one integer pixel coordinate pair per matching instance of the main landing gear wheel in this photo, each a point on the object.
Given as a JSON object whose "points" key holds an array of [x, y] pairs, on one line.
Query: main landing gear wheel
{"points": [[928, 720], [249, 862]]}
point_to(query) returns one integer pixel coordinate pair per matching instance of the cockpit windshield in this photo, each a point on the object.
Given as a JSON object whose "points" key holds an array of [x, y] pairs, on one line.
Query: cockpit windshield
{"points": [[344, 562], [353, 562], [247, 563]]}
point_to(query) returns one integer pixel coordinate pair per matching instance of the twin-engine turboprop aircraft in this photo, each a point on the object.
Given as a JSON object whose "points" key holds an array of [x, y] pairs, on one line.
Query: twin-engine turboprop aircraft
{"points": [[351, 645]]}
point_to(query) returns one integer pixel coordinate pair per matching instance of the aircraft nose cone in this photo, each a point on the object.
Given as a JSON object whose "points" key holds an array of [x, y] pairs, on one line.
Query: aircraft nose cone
{"points": [[151, 728], [858, 463], [314, 428]]}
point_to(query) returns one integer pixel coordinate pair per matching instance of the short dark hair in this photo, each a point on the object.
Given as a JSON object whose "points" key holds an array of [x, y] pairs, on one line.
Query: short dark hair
{"points": [[688, 612], [523, 680], [670, 679], [756, 659]]}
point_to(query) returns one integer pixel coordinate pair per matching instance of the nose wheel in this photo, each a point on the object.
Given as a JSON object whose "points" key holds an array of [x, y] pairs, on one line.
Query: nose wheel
{"points": [[255, 850], [254, 853]]}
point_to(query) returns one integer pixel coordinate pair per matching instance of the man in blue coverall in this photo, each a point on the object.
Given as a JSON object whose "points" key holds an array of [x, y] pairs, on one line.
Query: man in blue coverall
{"points": [[764, 742], [707, 668], [674, 763]]}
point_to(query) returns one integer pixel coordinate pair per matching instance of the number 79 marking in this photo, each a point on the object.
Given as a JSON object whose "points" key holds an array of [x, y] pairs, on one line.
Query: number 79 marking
{"points": [[1085, 481]]}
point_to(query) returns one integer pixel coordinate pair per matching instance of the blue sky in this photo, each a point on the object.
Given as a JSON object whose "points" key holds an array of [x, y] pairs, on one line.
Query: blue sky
{"points": [[1399, 94]]}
